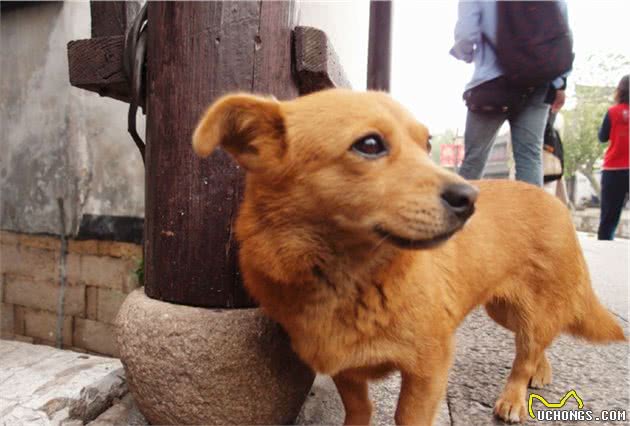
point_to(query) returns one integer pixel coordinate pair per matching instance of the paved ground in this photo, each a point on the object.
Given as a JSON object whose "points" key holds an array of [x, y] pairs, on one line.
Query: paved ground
{"points": [[37, 385], [40, 385], [587, 220], [484, 356]]}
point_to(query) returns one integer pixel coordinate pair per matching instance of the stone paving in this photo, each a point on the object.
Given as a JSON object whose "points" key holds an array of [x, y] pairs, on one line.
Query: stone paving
{"points": [[47, 386], [587, 220], [41, 385]]}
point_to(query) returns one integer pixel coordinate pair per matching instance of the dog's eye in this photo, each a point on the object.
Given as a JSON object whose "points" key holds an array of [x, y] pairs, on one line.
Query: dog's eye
{"points": [[371, 146]]}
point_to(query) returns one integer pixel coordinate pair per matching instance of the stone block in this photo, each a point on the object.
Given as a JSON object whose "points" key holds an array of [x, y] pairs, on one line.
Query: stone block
{"points": [[83, 247], [43, 325], [18, 319], [131, 282], [44, 295], [120, 249], [104, 271], [95, 336], [9, 257], [189, 365], [108, 304], [73, 269], [37, 263], [9, 238], [91, 302], [40, 242], [7, 321], [23, 339]]}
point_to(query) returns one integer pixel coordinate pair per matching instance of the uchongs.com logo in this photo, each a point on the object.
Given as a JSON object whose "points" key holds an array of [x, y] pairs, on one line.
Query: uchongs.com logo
{"points": [[553, 412]]}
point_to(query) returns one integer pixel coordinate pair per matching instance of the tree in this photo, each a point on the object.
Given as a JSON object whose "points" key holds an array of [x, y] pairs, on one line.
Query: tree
{"points": [[597, 75], [582, 149]]}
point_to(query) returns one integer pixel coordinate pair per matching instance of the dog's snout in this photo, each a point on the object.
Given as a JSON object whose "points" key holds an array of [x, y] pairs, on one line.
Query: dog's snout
{"points": [[460, 199]]}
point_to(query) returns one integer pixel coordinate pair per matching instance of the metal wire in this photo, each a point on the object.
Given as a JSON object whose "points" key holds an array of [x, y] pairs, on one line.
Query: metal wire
{"points": [[134, 65]]}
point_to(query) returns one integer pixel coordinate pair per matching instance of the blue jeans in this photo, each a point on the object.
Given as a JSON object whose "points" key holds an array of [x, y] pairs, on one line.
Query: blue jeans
{"points": [[527, 126]]}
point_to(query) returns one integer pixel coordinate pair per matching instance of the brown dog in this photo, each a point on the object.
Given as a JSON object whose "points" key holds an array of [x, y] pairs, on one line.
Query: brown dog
{"points": [[339, 189]]}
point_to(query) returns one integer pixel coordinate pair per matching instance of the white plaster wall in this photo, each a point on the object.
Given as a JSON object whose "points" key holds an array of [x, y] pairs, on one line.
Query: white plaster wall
{"points": [[57, 140], [60, 141], [347, 24]]}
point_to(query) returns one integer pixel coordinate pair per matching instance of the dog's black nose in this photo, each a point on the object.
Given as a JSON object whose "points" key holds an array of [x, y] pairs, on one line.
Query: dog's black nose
{"points": [[460, 199]]}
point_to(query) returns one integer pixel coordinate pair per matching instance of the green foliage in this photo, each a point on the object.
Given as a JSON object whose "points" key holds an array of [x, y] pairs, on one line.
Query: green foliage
{"points": [[600, 69], [597, 74], [140, 271], [582, 149]]}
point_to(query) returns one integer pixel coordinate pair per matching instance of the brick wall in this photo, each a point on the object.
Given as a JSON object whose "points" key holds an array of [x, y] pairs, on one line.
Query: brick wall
{"points": [[99, 276]]}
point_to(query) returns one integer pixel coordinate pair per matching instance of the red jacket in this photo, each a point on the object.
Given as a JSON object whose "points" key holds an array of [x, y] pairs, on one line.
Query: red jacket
{"points": [[615, 128]]}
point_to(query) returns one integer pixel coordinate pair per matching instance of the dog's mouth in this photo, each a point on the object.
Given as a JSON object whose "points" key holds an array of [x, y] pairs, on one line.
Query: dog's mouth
{"points": [[407, 243]]}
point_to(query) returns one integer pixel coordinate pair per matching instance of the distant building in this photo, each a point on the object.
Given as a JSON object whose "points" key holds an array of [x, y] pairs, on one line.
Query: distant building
{"points": [[498, 165], [452, 155]]}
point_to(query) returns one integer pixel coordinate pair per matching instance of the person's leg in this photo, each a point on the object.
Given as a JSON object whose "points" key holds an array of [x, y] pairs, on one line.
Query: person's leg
{"points": [[561, 191], [614, 190], [528, 129], [481, 130], [557, 188]]}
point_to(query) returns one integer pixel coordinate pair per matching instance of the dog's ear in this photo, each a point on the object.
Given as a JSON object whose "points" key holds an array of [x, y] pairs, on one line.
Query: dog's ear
{"points": [[251, 128]]}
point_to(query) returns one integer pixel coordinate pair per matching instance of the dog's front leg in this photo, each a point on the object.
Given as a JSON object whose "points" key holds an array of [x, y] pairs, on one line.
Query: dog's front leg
{"points": [[422, 390], [353, 389]]}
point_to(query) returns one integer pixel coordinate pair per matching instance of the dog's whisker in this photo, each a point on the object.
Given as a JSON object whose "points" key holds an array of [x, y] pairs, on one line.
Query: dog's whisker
{"points": [[378, 244]]}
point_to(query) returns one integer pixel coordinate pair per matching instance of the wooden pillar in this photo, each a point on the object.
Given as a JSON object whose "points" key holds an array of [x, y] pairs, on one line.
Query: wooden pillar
{"points": [[379, 47], [198, 51]]}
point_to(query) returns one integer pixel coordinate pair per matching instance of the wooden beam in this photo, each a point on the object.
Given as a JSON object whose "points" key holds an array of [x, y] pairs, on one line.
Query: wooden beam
{"points": [[316, 64], [96, 64], [379, 46], [111, 18]]}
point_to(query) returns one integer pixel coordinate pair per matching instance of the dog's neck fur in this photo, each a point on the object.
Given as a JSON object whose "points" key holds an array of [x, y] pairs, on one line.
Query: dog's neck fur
{"points": [[299, 270], [297, 251]]}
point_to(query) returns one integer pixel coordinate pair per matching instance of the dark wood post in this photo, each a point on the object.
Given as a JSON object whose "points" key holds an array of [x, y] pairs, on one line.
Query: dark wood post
{"points": [[379, 47], [196, 52]]}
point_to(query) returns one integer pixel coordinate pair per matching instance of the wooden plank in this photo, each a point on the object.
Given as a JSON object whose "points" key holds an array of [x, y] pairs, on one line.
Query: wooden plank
{"points": [[111, 18], [198, 51], [97, 64], [316, 63], [379, 46]]}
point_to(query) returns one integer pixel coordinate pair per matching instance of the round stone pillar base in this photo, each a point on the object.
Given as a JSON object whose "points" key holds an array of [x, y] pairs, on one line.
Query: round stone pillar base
{"points": [[188, 365]]}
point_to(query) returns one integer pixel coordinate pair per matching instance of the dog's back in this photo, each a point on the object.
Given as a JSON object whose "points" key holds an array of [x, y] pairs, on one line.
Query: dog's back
{"points": [[526, 248]]}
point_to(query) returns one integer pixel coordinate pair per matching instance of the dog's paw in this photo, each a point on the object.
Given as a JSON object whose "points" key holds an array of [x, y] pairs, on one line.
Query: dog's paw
{"points": [[542, 376], [510, 411]]}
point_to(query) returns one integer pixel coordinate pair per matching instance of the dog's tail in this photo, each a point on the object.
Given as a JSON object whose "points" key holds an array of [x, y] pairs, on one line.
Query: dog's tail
{"points": [[596, 323]]}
